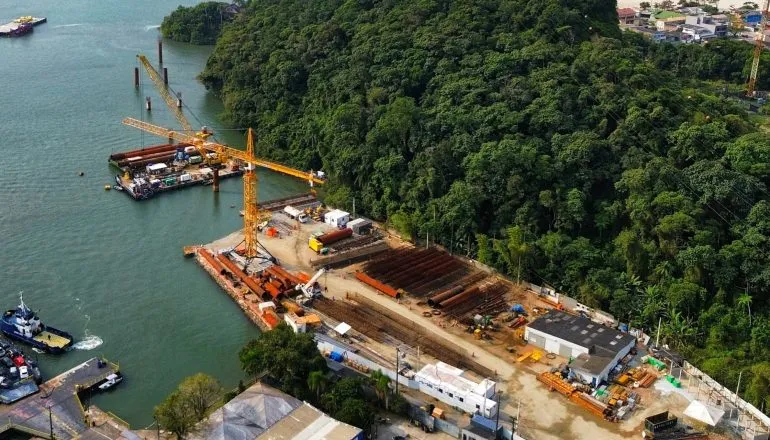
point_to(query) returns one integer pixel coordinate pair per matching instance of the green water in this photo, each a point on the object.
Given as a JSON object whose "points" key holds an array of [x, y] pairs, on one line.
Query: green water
{"points": [[78, 251]]}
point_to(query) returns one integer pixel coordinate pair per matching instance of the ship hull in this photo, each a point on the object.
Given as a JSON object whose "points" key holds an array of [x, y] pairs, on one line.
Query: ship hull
{"points": [[10, 330]]}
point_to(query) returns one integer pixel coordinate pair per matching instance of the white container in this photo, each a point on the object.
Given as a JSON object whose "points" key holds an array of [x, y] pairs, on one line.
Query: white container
{"points": [[185, 178]]}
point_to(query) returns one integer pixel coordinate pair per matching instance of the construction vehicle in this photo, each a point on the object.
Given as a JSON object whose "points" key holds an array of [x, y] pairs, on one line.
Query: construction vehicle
{"points": [[312, 288], [758, 46], [251, 217]]}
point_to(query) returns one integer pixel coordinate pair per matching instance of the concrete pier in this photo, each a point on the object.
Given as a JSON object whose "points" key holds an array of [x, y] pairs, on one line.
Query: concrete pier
{"points": [[57, 408]]}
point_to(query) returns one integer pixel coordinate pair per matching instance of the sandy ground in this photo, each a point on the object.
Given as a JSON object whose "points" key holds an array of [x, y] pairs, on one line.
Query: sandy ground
{"points": [[544, 415], [402, 427]]}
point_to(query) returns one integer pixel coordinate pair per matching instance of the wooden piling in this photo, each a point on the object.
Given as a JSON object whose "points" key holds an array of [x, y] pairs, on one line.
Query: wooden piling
{"points": [[215, 184], [160, 51], [136, 77], [165, 75]]}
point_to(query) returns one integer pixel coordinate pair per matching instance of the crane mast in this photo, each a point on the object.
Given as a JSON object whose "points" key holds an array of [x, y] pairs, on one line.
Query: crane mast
{"points": [[250, 213], [759, 45]]}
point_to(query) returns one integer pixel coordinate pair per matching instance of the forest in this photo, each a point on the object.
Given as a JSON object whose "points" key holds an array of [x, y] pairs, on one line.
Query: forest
{"points": [[199, 24], [536, 137]]}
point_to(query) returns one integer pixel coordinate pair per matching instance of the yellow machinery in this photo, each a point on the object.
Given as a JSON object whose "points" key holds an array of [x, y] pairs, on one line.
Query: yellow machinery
{"points": [[251, 215], [315, 245]]}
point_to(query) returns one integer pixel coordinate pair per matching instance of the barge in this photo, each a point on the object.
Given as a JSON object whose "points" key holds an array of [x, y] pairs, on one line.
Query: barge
{"points": [[156, 169], [21, 26]]}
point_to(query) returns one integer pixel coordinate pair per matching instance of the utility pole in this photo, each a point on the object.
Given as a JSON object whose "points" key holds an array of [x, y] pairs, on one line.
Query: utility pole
{"points": [[396, 371], [157, 427], [736, 393], [497, 419], [657, 339], [50, 420]]}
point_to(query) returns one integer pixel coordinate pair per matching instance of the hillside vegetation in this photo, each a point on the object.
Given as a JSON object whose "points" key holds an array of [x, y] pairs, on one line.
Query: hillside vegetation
{"points": [[199, 24], [537, 138]]}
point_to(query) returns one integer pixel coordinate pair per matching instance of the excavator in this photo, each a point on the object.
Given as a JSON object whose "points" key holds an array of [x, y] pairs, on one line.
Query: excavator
{"points": [[211, 151]]}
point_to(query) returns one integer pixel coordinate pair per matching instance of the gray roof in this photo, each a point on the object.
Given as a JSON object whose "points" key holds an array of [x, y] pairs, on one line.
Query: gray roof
{"points": [[598, 339], [248, 415]]}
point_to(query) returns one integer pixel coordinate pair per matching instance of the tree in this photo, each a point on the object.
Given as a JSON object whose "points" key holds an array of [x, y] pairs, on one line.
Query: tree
{"points": [[744, 300], [381, 383], [175, 414], [644, 5], [286, 356], [317, 383], [201, 391]]}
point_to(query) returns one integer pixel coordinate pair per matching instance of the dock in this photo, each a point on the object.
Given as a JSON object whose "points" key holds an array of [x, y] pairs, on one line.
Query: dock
{"points": [[20, 26], [58, 404]]}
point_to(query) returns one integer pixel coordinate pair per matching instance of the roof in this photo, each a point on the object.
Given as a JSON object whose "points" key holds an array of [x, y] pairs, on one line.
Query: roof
{"points": [[593, 364], [342, 328], [626, 12], [359, 221], [336, 214], [662, 15], [480, 431], [248, 415], [583, 332], [440, 374], [157, 166], [308, 423], [707, 414]]}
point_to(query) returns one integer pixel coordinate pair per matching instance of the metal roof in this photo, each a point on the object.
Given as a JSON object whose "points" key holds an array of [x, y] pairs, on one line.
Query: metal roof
{"points": [[308, 423], [598, 339]]}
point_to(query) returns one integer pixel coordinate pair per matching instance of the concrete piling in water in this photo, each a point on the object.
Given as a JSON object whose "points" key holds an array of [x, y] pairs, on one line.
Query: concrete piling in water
{"points": [[215, 184], [179, 100], [165, 75], [136, 77], [160, 51], [148, 104]]}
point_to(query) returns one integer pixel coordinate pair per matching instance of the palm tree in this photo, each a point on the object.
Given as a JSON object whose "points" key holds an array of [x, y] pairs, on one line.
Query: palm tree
{"points": [[317, 382], [381, 384], [745, 301]]}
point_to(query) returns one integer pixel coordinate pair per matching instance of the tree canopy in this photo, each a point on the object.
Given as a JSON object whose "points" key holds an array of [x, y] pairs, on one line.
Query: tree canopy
{"points": [[533, 132], [199, 24]]}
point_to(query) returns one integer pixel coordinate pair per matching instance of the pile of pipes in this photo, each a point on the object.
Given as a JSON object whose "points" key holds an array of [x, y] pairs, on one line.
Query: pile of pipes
{"points": [[141, 157], [485, 299]]}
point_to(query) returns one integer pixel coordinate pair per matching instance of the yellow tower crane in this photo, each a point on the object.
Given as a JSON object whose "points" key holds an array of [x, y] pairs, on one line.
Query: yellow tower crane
{"points": [[759, 45], [251, 215]]}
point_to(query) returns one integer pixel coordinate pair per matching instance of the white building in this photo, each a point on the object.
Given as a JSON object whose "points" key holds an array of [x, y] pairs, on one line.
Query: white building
{"points": [[596, 349], [337, 218], [447, 384]]}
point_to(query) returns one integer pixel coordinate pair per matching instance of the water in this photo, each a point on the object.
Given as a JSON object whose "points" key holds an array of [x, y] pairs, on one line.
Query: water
{"points": [[96, 263]]}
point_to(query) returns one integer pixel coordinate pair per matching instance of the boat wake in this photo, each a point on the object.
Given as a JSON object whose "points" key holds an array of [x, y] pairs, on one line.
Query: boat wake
{"points": [[68, 25], [151, 27], [88, 343]]}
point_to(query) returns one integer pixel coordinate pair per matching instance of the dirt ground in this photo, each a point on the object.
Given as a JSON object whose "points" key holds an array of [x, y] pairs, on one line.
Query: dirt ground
{"points": [[543, 415]]}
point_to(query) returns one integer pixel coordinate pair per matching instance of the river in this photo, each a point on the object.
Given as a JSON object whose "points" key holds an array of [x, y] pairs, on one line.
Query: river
{"points": [[95, 262]]}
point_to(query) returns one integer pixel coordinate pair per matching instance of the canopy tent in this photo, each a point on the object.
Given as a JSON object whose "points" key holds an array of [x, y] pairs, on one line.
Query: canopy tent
{"points": [[704, 413], [342, 328]]}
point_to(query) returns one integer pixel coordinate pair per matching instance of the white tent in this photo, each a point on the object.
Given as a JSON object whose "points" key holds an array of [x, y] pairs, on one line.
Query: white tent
{"points": [[704, 413], [342, 328]]}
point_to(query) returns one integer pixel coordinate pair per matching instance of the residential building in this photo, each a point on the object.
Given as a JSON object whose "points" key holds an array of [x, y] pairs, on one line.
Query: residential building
{"points": [[717, 25], [262, 412], [696, 34], [448, 384], [594, 349], [627, 16]]}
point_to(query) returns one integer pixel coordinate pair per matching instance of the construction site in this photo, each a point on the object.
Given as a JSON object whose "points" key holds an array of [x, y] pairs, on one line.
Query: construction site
{"points": [[374, 301]]}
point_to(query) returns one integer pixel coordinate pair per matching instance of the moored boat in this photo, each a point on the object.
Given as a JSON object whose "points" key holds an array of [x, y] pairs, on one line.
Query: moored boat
{"points": [[24, 325]]}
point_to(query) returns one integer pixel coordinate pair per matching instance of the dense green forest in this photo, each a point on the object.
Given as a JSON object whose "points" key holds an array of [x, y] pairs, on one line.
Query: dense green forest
{"points": [[199, 24], [534, 136]]}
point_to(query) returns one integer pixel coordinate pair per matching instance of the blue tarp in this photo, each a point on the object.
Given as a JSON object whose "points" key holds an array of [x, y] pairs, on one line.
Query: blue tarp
{"points": [[336, 356]]}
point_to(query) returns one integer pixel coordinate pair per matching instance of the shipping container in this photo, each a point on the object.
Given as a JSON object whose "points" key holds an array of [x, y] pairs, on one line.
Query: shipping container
{"points": [[315, 245], [195, 159]]}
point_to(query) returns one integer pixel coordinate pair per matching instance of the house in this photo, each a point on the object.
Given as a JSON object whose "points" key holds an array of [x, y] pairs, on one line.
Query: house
{"points": [[627, 16], [337, 218], [263, 412], [752, 18], [594, 348], [696, 34], [447, 384], [666, 20], [714, 24]]}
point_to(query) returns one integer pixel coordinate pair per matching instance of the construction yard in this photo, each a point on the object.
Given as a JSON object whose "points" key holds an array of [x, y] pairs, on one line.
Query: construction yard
{"points": [[437, 306]]}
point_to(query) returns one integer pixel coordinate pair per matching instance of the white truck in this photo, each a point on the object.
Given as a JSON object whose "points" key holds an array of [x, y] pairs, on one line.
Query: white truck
{"points": [[296, 214]]}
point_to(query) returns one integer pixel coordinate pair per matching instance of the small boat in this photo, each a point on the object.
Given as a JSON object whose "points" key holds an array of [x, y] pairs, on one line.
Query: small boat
{"points": [[24, 325], [117, 188], [110, 381]]}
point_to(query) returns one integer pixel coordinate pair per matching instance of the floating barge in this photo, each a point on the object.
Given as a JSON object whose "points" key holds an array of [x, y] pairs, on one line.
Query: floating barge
{"points": [[21, 26], [149, 171]]}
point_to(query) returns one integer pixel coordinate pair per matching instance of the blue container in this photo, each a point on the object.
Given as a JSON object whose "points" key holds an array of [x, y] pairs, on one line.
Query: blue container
{"points": [[336, 356], [623, 327]]}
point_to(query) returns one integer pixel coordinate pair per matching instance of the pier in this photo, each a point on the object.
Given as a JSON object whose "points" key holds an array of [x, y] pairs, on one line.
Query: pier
{"points": [[57, 409]]}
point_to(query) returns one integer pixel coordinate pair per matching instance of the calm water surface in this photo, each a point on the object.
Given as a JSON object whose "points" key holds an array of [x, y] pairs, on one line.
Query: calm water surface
{"points": [[96, 262]]}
